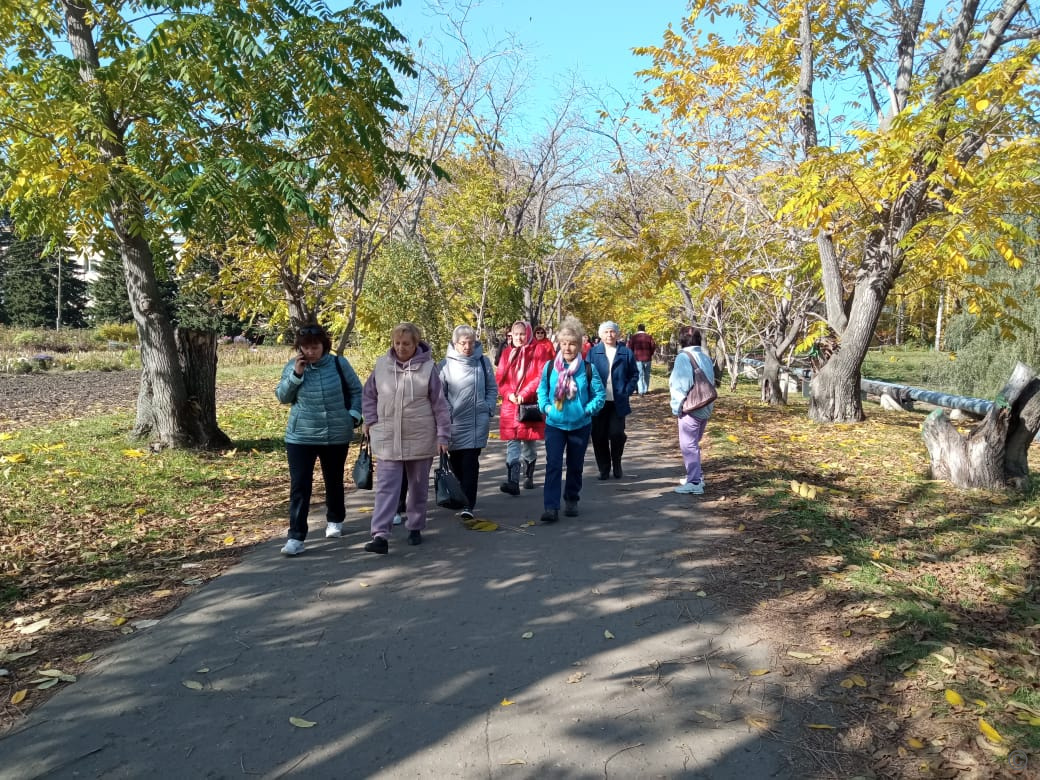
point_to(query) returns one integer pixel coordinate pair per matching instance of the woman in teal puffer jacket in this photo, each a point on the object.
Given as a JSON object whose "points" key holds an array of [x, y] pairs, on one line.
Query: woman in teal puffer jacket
{"points": [[326, 407]]}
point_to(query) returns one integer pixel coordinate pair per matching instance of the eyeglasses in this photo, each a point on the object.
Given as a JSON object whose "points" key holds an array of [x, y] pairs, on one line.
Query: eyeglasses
{"points": [[539, 333], [311, 330]]}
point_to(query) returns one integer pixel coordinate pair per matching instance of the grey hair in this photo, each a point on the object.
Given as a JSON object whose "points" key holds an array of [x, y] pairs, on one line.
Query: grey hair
{"points": [[572, 326], [461, 331]]}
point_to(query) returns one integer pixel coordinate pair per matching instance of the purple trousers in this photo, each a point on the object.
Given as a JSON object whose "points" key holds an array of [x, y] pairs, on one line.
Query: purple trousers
{"points": [[389, 474], [691, 429]]}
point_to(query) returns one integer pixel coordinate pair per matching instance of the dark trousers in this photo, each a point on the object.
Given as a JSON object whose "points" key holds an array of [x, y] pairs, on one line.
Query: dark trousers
{"points": [[466, 465], [558, 445], [608, 437], [301, 478]]}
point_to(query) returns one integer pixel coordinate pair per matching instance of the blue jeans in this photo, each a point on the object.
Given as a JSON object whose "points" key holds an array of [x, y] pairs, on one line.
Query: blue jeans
{"points": [[558, 443], [520, 449], [643, 383]]}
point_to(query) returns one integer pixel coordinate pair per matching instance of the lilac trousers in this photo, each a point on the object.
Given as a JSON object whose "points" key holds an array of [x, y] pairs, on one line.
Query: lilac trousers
{"points": [[389, 474], [691, 429]]}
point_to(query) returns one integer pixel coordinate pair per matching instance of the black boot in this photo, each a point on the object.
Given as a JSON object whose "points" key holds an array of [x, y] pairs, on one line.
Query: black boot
{"points": [[529, 474], [512, 483]]}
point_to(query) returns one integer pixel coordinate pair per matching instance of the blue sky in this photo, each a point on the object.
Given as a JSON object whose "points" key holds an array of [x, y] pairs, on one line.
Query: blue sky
{"points": [[590, 38]]}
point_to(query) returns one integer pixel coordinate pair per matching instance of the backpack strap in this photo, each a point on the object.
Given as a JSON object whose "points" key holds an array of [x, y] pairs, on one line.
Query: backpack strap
{"points": [[342, 381]]}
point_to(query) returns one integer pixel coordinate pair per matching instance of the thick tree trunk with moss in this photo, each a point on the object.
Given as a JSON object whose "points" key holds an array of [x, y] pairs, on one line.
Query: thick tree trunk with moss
{"points": [[994, 455]]}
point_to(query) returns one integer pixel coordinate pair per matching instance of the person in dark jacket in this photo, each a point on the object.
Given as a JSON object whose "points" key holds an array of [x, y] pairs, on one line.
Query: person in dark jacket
{"points": [[619, 373], [569, 394], [643, 347], [469, 385], [325, 394]]}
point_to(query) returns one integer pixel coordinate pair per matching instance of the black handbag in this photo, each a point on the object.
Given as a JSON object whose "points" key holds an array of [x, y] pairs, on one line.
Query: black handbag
{"points": [[363, 466], [447, 485], [529, 413]]}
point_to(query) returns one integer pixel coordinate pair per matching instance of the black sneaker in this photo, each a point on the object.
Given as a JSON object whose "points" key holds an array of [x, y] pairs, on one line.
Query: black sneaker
{"points": [[378, 545], [604, 475], [415, 537], [550, 516], [570, 508]]}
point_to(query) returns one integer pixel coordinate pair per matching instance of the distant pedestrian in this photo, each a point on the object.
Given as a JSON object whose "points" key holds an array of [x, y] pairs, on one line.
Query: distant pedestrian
{"points": [[616, 366], [692, 424], [643, 347], [517, 377], [546, 350], [469, 385], [570, 392], [326, 407], [409, 422]]}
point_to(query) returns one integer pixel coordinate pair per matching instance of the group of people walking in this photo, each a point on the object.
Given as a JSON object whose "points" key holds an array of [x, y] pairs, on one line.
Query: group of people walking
{"points": [[412, 409]]}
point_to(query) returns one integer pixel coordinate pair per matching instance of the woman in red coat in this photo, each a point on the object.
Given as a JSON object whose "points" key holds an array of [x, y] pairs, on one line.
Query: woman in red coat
{"points": [[519, 372]]}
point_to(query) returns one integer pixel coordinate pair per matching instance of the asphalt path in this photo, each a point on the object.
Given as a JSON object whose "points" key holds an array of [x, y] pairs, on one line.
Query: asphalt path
{"points": [[586, 649]]}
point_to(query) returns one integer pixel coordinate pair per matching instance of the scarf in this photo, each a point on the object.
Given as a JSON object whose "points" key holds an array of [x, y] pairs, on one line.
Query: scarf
{"points": [[566, 387]]}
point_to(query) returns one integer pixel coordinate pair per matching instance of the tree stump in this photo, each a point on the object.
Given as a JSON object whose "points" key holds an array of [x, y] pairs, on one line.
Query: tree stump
{"points": [[994, 455]]}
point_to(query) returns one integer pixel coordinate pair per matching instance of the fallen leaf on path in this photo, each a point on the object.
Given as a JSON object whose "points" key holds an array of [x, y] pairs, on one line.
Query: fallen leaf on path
{"points": [[758, 672], [300, 723], [507, 703], [32, 628], [576, 677], [820, 726], [608, 635], [527, 635], [19, 696], [195, 685], [990, 733], [709, 715], [756, 722], [954, 698], [514, 762]]}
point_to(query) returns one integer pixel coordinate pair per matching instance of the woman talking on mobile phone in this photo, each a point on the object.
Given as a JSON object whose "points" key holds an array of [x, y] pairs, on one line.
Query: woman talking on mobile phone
{"points": [[325, 394]]}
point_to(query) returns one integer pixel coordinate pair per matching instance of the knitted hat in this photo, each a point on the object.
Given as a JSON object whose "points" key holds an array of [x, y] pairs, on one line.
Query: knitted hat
{"points": [[608, 325]]}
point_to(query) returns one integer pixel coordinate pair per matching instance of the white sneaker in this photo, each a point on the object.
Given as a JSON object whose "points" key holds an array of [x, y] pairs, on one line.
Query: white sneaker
{"points": [[695, 488], [293, 547], [683, 482], [398, 519], [333, 530], [466, 514]]}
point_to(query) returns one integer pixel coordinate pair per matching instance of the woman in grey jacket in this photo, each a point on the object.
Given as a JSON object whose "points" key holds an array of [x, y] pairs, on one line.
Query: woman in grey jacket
{"points": [[471, 390], [325, 394]]}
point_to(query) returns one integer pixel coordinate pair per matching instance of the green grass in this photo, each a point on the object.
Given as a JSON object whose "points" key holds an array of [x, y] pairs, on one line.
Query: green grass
{"points": [[907, 366]]}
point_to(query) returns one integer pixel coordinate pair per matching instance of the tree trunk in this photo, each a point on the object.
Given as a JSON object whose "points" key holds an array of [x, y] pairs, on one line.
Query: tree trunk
{"points": [[939, 318], [772, 392], [197, 351], [994, 455], [835, 393]]}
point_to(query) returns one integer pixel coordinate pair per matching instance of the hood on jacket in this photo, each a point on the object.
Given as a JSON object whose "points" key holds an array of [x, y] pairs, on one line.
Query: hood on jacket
{"points": [[454, 354]]}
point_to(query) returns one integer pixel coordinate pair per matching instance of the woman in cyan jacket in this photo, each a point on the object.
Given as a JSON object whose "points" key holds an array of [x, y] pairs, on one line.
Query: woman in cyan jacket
{"points": [[570, 393], [326, 407], [469, 385], [617, 367], [409, 422]]}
